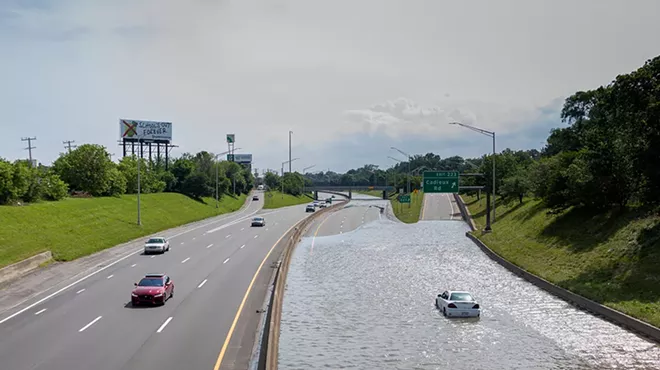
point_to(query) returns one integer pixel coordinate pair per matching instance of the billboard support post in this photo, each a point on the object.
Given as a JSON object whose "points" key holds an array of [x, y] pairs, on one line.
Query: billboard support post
{"points": [[139, 219]]}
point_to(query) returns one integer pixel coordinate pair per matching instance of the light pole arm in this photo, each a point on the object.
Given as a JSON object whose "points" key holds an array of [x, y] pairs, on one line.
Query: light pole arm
{"points": [[476, 129]]}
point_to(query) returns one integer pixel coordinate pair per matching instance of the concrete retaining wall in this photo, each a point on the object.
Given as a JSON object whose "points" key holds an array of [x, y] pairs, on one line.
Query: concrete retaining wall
{"points": [[605, 312], [20, 269]]}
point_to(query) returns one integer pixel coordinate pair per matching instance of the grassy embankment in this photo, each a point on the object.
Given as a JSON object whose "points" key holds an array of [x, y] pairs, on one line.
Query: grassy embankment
{"points": [[408, 213], [276, 199], [610, 257], [75, 227]]}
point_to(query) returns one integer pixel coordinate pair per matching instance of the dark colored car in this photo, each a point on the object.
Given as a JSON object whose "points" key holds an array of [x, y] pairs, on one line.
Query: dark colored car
{"points": [[152, 289]]}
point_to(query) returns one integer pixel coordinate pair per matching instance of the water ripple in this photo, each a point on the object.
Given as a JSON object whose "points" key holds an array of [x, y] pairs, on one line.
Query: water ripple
{"points": [[364, 300]]}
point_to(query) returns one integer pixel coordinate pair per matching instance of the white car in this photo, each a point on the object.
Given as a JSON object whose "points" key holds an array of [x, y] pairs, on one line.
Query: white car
{"points": [[157, 244], [457, 304], [258, 221]]}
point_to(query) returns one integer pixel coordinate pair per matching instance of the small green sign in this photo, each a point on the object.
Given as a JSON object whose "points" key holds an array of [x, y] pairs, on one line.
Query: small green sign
{"points": [[231, 138], [404, 198], [230, 157], [441, 182]]}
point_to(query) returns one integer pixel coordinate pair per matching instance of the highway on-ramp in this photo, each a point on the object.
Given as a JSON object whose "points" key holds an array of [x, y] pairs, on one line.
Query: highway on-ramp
{"points": [[92, 325], [440, 206]]}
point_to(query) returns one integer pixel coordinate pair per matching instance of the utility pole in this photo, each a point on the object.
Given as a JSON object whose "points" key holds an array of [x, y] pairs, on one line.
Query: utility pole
{"points": [[290, 132], [29, 147], [67, 144]]}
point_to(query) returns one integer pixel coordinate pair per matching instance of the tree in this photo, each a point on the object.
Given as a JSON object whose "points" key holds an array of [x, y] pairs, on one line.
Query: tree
{"points": [[116, 183], [196, 186], [7, 189], [53, 188], [516, 185], [272, 181], [86, 168]]}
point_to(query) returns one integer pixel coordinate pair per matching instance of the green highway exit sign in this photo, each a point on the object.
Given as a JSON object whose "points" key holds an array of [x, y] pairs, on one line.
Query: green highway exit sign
{"points": [[441, 182], [404, 198]]}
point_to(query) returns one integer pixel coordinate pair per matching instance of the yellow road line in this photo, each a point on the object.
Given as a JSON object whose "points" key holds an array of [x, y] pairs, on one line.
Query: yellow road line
{"points": [[240, 307], [424, 207]]}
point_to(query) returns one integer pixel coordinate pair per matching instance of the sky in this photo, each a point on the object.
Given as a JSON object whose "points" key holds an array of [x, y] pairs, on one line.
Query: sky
{"points": [[350, 78]]}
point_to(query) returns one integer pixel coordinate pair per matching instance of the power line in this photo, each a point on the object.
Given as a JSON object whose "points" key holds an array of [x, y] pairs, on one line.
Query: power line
{"points": [[67, 144], [29, 147]]}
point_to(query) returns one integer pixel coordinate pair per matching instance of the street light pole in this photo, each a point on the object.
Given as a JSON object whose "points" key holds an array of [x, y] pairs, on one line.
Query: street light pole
{"points": [[217, 164], [487, 133]]}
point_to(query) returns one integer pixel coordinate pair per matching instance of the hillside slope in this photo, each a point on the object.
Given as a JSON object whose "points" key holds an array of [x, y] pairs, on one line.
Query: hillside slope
{"points": [[611, 258], [76, 227]]}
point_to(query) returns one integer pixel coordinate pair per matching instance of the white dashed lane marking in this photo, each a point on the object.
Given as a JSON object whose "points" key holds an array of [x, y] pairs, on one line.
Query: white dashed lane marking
{"points": [[186, 260], [90, 324], [162, 327], [40, 311]]}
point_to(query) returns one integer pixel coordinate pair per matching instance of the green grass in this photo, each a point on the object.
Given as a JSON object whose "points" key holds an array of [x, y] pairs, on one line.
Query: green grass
{"points": [[408, 213], [276, 199], [75, 227], [610, 257]]}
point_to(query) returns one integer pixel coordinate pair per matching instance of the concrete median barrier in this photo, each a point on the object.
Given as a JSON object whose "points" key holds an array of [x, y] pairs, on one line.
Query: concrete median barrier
{"points": [[22, 268]]}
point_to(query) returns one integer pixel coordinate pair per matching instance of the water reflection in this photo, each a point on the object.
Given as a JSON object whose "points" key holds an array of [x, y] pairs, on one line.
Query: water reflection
{"points": [[365, 300]]}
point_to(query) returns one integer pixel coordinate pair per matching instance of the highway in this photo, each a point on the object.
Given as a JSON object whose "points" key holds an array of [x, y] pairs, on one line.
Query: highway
{"points": [[364, 299], [91, 324], [440, 206]]}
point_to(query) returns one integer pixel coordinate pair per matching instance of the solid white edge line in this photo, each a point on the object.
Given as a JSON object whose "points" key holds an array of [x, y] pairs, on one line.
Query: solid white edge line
{"points": [[106, 267], [80, 291], [186, 260], [451, 216], [90, 324], [202, 283], [40, 311], [164, 324], [227, 260]]}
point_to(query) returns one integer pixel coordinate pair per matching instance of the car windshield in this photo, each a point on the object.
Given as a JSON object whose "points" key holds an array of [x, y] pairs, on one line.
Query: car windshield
{"points": [[155, 240], [151, 282], [461, 297], [258, 219]]}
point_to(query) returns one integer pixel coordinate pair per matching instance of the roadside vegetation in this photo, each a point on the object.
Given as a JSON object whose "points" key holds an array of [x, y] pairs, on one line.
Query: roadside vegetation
{"points": [[277, 199], [85, 202], [610, 257], [408, 213], [76, 227], [583, 213]]}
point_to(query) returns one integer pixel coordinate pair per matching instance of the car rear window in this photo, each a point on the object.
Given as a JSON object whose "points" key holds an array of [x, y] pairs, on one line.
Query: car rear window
{"points": [[460, 297], [155, 240], [151, 282]]}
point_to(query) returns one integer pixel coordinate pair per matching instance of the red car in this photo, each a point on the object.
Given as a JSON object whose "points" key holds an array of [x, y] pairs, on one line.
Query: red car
{"points": [[152, 289]]}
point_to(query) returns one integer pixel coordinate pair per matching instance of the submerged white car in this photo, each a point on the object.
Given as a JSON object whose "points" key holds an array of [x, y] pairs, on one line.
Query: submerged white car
{"points": [[457, 304], [157, 244]]}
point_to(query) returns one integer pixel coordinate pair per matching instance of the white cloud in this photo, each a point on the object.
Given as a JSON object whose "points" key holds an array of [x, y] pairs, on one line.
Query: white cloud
{"points": [[324, 69]]}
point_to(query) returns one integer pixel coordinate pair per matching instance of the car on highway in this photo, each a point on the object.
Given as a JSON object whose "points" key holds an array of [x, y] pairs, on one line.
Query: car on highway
{"points": [[454, 303], [152, 289], [322, 205], [310, 208], [256, 197], [316, 203], [156, 244], [258, 221]]}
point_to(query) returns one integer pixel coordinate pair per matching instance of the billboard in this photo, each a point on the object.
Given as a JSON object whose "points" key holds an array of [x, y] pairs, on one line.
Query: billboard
{"points": [[240, 158], [145, 130]]}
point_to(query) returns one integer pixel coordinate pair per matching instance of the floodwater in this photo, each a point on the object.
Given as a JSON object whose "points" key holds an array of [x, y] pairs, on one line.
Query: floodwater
{"points": [[365, 300]]}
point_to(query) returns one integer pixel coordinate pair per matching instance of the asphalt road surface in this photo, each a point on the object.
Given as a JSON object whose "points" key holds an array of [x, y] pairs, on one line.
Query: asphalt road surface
{"points": [[439, 206], [92, 325]]}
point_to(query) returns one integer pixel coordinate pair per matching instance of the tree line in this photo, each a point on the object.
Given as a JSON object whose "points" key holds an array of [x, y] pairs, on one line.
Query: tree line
{"points": [[606, 156], [89, 170]]}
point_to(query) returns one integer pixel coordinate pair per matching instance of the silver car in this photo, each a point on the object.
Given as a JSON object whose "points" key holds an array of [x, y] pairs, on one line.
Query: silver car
{"points": [[258, 221], [157, 244]]}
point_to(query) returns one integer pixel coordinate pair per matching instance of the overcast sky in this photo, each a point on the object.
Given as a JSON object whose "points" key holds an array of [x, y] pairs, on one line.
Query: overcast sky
{"points": [[350, 78]]}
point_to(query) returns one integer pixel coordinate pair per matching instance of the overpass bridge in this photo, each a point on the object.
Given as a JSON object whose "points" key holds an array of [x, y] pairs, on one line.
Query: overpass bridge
{"points": [[350, 189]]}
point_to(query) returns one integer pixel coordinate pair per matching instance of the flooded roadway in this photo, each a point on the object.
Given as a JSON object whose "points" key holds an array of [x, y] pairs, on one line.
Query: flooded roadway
{"points": [[364, 299]]}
